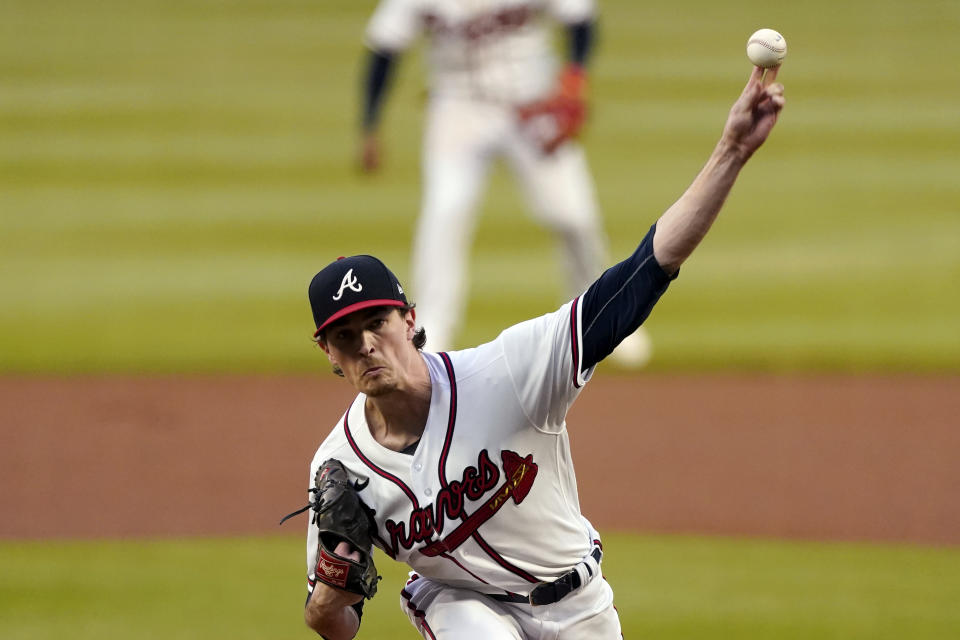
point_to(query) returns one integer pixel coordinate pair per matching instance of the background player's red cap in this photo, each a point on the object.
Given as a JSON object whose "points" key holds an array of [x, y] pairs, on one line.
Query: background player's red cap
{"points": [[351, 284]]}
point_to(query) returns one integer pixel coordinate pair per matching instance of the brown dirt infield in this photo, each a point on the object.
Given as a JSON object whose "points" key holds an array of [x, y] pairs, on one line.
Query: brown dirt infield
{"points": [[847, 458]]}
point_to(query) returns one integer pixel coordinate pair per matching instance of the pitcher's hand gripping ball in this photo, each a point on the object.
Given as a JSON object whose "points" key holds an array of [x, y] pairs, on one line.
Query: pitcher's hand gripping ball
{"points": [[341, 516]]}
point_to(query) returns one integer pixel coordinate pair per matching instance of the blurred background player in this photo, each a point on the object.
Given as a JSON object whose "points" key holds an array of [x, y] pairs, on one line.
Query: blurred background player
{"points": [[496, 90]]}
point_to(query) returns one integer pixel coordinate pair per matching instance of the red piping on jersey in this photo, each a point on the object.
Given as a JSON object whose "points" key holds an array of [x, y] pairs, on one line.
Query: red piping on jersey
{"points": [[417, 613], [377, 470], [451, 420], [447, 442], [574, 343]]}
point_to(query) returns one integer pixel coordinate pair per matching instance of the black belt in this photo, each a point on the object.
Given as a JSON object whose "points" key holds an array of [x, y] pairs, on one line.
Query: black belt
{"points": [[550, 592]]}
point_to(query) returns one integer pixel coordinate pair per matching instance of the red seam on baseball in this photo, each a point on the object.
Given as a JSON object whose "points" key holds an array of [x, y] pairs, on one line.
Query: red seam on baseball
{"points": [[768, 46]]}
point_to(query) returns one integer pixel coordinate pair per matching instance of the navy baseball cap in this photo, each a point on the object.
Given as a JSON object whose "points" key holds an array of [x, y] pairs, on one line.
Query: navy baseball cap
{"points": [[351, 284]]}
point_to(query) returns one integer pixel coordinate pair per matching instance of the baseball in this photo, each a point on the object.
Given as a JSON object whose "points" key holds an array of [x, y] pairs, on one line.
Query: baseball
{"points": [[766, 48]]}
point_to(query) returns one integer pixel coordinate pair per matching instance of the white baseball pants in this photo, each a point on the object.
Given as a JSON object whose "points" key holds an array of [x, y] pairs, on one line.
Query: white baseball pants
{"points": [[441, 612], [461, 140]]}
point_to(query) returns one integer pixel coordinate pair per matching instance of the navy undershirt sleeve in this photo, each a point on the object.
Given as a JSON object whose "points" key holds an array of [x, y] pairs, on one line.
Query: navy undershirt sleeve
{"points": [[379, 66], [582, 35], [620, 300]]}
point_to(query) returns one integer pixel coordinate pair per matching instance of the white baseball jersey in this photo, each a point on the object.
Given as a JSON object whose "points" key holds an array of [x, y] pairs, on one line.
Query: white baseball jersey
{"points": [[488, 501], [498, 50]]}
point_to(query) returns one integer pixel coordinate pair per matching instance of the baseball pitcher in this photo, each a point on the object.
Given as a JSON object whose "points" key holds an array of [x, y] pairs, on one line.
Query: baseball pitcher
{"points": [[496, 90], [458, 464]]}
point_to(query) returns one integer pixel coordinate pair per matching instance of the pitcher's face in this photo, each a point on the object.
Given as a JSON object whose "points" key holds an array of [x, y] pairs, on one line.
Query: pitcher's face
{"points": [[373, 348]]}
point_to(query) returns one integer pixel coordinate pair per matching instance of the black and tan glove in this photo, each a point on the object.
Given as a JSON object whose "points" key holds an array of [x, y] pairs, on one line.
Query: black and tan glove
{"points": [[340, 516]]}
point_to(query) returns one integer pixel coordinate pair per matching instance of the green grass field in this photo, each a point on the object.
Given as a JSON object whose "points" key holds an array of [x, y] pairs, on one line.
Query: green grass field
{"points": [[173, 173], [666, 587]]}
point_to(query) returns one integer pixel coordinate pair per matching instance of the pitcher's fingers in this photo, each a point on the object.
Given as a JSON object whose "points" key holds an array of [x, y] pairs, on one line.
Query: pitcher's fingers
{"points": [[771, 75], [756, 76], [751, 91], [346, 550]]}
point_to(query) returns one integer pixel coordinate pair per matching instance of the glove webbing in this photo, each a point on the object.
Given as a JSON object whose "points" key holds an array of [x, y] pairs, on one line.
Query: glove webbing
{"points": [[315, 491]]}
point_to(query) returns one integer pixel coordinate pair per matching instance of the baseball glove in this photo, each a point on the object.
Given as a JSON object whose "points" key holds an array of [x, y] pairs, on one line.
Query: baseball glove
{"points": [[341, 516], [560, 116]]}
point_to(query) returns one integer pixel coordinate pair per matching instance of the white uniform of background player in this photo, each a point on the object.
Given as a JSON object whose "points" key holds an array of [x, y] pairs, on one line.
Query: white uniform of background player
{"points": [[486, 58]]}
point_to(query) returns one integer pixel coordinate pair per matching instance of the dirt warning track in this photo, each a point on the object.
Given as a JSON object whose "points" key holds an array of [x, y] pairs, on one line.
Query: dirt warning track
{"points": [[848, 458]]}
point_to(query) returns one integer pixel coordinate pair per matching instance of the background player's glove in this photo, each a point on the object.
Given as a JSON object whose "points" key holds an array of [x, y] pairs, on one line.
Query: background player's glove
{"points": [[341, 516], [560, 116]]}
